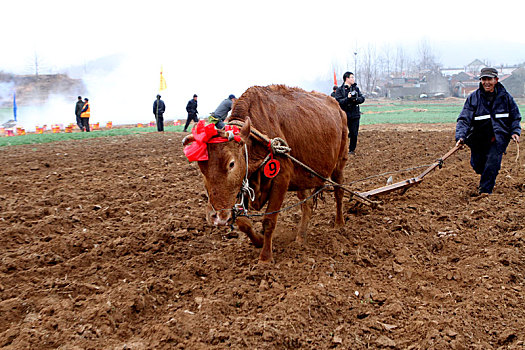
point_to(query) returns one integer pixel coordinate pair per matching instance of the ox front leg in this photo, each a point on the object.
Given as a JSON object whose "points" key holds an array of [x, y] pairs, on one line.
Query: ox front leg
{"points": [[266, 256], [245, 225], [306, 214], [275, 202]]}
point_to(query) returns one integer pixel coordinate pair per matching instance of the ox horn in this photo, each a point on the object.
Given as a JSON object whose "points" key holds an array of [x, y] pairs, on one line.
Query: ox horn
{"points": [[188, 139]]}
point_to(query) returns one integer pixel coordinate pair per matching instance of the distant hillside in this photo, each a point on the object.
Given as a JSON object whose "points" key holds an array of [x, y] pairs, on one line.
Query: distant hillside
{"points": [[33, 90], [100, 66]]}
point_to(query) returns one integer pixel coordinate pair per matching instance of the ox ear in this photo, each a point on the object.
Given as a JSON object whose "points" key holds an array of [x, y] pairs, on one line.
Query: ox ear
{"points": [[245, 130]]}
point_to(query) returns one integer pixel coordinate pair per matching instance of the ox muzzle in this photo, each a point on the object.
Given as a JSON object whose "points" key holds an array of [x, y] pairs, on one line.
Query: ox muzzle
{"points": [[221, 217]]}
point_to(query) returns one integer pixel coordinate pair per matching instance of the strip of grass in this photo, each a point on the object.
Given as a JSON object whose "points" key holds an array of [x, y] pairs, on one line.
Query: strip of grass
{"points": [[49, 137], [405, 112], [410, 112], [411, 116]]}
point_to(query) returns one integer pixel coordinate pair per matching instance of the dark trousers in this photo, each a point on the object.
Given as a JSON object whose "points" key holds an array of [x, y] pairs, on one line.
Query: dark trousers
{"points": [[353, 130], [190, 118], [85, 124], [220, 124], [160, 122], [79, 122], [487, 163]]}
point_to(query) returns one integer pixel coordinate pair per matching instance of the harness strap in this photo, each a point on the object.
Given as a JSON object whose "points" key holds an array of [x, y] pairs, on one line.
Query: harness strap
{"points": [[245, 190]]}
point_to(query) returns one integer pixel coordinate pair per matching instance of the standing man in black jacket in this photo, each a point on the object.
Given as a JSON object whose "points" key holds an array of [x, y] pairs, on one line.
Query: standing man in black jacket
{"points": [[349, 98], [191, 108], [158, 109], [78, 110]]}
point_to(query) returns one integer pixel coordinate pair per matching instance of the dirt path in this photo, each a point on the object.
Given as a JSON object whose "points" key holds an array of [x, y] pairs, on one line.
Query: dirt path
{"points": [[104, 245]]}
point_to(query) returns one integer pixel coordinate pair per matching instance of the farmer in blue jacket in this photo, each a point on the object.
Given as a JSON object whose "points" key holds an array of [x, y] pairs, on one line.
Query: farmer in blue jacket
{"points": [[489, 120]]}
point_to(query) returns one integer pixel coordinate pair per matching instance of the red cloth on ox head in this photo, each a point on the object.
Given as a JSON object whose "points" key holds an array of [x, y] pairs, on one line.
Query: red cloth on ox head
{"points": [[204, 134]]}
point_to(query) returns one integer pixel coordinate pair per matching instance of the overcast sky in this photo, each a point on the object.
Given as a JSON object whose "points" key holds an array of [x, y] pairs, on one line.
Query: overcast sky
{"points": [[214, 48]]}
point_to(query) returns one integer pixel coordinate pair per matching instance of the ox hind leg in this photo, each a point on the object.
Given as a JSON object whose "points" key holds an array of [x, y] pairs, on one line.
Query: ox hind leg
{"points": [[338, 177], [306, 214], [245, 225]]}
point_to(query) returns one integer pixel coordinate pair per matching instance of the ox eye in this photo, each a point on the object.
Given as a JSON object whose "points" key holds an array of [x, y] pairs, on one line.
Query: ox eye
{"points": [[232, 164]]}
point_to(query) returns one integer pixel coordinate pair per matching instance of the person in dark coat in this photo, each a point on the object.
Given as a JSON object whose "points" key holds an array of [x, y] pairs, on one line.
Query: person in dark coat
{"points": [[191, 108], [349, 98], [78, 110], [85, 114], [158, 110], [489, 120], [334, 90], [222, 111]]}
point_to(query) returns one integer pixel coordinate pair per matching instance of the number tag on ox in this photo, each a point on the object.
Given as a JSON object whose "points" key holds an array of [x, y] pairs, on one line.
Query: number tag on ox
{"points": [[271, 169]]}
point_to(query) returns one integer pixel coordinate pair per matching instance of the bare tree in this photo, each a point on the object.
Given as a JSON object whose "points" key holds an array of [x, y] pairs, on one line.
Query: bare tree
{"points": [[387, 60], [426, 60], [36, 64], [400, 61], [369, 69]]}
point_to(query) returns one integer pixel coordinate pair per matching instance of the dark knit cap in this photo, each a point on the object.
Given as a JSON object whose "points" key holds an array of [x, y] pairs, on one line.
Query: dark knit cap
{"points": [[488, 72]]}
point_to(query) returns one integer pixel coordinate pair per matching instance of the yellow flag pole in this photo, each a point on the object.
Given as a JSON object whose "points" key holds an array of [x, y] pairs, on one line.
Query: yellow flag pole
{"points": [[163, 85]]}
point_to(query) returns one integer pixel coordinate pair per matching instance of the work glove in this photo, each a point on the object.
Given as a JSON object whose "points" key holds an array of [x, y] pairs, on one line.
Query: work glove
{"points": [[213, 120]]}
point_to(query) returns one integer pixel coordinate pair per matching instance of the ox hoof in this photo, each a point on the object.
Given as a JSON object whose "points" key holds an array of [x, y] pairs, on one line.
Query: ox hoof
{"points": [[339, 224], [265, 259], [300, 240], [265, 262]]}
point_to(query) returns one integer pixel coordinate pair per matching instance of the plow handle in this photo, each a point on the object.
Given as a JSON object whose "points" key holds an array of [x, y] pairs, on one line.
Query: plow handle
{"points": [[440, 161]]}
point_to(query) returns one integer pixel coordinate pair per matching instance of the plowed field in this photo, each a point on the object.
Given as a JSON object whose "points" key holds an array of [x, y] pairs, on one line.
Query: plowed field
{"points": [[104, 245]]}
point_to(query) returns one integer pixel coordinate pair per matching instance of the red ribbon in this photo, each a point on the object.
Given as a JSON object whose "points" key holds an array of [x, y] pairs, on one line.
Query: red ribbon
{"points": [[204, 134], [270, 149]]}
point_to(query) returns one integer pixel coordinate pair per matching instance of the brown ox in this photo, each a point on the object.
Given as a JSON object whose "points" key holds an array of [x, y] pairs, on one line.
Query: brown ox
{"points": [[313, 126]]}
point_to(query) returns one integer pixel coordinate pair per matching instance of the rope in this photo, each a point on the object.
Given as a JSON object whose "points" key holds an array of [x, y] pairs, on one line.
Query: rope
{"points": [[281, 147], [238, 212], [386, 173], [288, 207], [517, 160], [245, 188], [518, 153], [278, 145]]}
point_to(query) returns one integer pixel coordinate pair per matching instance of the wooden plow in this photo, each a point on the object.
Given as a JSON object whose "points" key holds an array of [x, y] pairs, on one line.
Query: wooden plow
{"points": [[406, 184]]}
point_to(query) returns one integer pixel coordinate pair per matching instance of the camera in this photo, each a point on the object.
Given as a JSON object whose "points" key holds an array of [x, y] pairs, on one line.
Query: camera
{"points": [[351, 90]]}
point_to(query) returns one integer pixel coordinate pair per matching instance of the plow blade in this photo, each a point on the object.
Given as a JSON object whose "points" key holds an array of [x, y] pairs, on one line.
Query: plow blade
{"points": [[389, 188]]}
